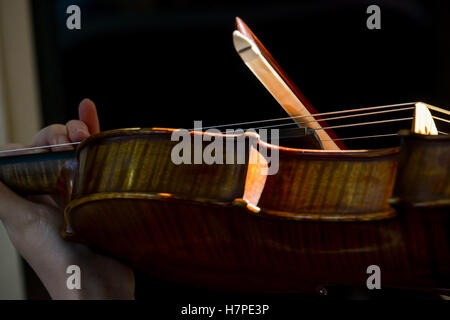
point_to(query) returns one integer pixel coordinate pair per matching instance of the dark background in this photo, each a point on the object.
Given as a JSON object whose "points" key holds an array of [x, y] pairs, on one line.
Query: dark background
{"points": [[168, 63]]}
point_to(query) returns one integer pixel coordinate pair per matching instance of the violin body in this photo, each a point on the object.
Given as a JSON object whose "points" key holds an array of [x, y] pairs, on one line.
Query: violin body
{"points": [[320, 185], [230, 248], [423, 179], [321, 220]]}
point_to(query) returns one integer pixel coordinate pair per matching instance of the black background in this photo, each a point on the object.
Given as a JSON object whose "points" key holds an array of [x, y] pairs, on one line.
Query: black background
{"points": [[168, 63]]}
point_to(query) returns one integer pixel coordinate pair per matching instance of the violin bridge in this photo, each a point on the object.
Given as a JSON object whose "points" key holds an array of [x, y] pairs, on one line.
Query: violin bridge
{"points": [[423, 122]]}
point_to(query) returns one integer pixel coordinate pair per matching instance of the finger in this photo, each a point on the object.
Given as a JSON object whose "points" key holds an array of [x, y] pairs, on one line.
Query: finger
{"points": [[52, 135], [77, 130], [88, 114]]}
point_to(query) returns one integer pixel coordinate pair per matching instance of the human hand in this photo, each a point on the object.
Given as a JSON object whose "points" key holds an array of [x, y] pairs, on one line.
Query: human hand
{"points": [[34, 226]]}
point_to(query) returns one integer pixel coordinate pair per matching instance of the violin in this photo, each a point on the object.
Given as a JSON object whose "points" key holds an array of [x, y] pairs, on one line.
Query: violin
{"points": [[321, 220]]}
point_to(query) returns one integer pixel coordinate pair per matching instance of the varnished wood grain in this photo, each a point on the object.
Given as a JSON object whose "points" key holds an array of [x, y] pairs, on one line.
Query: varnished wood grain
{"points": [[37, 173], [423, 178], [227, 247], [322, 220], [344, 186], [140, 161]]}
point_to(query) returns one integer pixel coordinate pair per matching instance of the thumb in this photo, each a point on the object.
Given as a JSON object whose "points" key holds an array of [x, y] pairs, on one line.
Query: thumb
{"points": [[88, 114]]}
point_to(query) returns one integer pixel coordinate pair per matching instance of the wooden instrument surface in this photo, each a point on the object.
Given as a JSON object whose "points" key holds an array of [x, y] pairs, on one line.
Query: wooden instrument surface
{"points": [[322, 220], [228, 247], [293, 239]]}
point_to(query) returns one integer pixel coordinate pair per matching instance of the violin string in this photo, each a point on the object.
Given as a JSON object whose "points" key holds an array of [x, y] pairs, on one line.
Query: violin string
{"points": [[363, 123], [357, 137], [363, 137], [314, 114], [352, 124], [289, 136], [441, 119], [41, 147], [336, 118], [295, 123], [441, 110]]}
